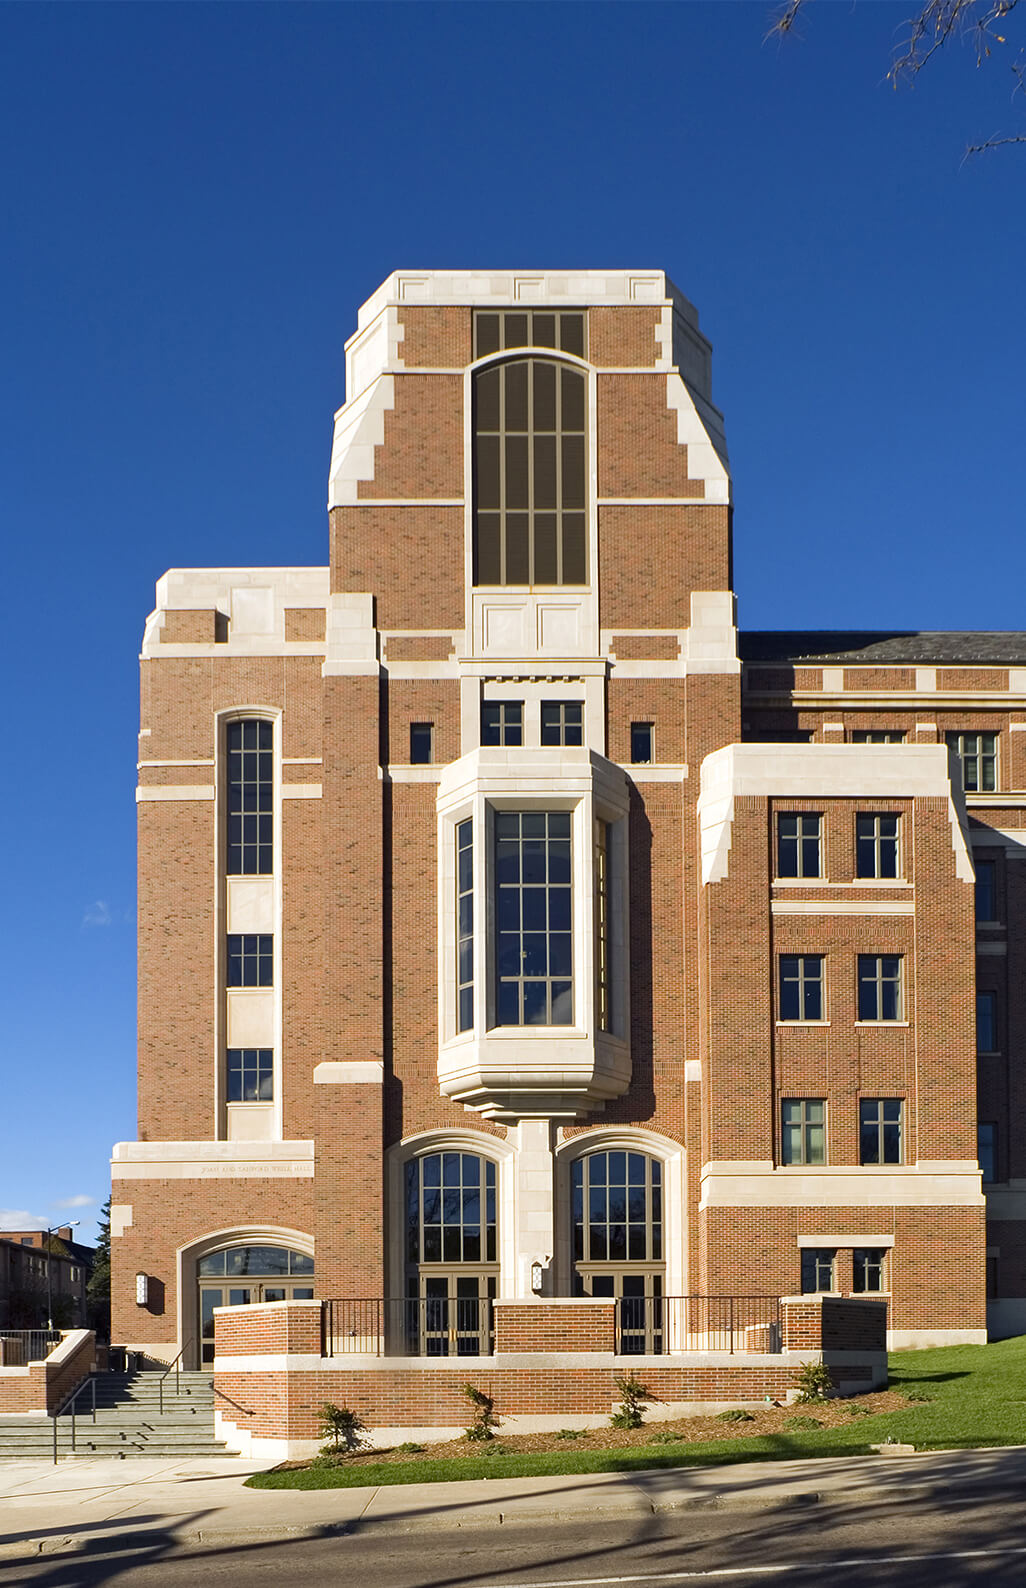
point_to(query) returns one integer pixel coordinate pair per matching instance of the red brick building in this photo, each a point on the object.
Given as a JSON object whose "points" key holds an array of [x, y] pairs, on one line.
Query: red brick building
{"points": [[510, 926]]}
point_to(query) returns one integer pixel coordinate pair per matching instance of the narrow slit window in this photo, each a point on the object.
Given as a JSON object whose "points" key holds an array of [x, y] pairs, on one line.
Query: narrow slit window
{"points": [[250, 846]]}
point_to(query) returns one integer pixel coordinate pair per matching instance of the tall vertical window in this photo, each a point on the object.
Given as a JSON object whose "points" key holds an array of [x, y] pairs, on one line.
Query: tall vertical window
{"points": [[465, 925], [867, 1269], [880, 991], [529, 474], [986, 890], [986, 1022], [798, 846], [250, 798], [422, 743], [642, 743], [801, 986], [602, 1012], [803, 1130], [881, 1130], [976, 754], [876, 846], [817, 1269], [534, 958], [986, 1151]]}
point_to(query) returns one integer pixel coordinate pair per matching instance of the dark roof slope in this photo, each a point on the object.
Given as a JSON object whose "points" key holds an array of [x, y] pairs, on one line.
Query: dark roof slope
{"points": [[955, 646]]}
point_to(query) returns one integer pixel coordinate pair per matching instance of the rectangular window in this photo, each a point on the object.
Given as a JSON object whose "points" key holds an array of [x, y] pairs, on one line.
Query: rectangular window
{"points": [[502, 722], [561, 329], [976, 754], [803, 1130], [798, 846], [422, 743], [986, 890], [877, 736], [881, 1130], [562, 722], [534, 954], [986, 1151], [986, 1022], [867, 1269], [642, 743], [817, 1270], [876, 846], [250, 960], [880, 989], [465, 925], [250, 801], [602, 925], [250, 1075], [801, 987]]}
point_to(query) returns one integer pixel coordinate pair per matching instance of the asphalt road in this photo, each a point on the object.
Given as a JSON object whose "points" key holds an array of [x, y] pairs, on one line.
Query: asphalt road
{"points": [[927, 1543]]}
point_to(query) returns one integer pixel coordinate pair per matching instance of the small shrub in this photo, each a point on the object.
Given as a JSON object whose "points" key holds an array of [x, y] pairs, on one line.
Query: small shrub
{"points": [[814, 1383], [340, 1429], [409, 1448], [497, 1448], [668, 1436], [326, 1462], [631, 1411], [856, 1409], [571, 1433], [919, 1395], [485, 1421], [802, 1422], [736, 1414]]}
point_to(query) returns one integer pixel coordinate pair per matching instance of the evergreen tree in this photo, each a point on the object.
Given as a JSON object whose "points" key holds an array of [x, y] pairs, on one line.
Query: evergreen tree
{"points": [[98, 1288]]}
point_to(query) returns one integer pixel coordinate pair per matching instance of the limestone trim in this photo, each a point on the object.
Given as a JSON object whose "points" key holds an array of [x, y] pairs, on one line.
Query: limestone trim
{"points": [[212, 1160], [188, 1256], [120, 1218], [827, 906], [251, 600], [805, 1241], [349, 1072], [763, 1184], [175, 791], [301, 791]]}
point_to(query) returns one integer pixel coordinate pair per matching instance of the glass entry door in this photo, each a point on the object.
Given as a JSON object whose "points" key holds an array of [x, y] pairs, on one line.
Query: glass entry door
{"points": [[449, 1314], [238, 1276]]}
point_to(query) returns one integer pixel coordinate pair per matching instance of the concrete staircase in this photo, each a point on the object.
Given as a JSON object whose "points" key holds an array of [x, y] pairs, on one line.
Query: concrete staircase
{"points": [[129, 1421]]}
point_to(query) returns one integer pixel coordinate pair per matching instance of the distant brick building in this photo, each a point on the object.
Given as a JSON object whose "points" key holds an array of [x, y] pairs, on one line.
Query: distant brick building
{"points": [[510, 926]]}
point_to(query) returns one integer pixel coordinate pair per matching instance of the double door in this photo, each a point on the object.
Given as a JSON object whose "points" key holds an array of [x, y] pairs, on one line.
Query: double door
{"points": [[449, 1313]]}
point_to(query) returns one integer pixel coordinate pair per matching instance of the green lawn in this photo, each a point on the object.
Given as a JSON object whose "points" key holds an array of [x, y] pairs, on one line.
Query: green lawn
{"points": [[980, 1399]]}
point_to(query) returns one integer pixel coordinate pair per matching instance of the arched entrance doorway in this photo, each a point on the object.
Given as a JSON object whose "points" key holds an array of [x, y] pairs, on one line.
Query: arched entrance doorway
{"points": [[243, 1273], [452, 1263], [616, 1203]]}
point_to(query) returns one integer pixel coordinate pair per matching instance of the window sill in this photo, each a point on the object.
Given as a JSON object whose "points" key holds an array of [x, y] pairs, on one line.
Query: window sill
{"points": [[875, 1025], [791, 1024], [880, 882], [803, 882]]}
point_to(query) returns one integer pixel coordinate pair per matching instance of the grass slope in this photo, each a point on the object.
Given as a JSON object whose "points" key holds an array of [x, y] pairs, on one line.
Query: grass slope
{"points": [[980, 1399]]}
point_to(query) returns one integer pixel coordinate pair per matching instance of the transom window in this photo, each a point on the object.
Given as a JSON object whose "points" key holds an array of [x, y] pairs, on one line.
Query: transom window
{"points": [[803, 1130], [880, 989], [563, 329], [269, 1260], [798, 846], [801, 986], [562, 722], [534, 942], [250, 1075], [250, 791], [529, 474], [502, 722], [881, 1130], [250, 960], [450, 1209], [976, 754], [876, 846]]}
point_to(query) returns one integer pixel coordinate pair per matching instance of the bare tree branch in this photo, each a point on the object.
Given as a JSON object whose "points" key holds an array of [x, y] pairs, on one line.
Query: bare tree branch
{"points": [[785, 19]]}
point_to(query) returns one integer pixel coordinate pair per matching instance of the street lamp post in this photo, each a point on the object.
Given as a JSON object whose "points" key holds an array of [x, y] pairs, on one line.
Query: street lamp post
{"points": [[50, 1232]]}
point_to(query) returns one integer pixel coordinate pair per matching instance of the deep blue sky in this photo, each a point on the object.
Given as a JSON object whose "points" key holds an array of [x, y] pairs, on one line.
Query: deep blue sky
{"points": [[196, 199]]}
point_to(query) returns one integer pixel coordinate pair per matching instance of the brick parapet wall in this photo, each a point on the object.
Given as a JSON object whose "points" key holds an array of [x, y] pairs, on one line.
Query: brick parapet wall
{"points": [[275, 1328], [833, 1323], [44, 1386], [554, 1326]]}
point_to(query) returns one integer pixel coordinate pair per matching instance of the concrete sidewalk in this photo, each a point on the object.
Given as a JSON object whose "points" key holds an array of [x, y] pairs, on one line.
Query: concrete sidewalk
{"points": [[46, 1509]]}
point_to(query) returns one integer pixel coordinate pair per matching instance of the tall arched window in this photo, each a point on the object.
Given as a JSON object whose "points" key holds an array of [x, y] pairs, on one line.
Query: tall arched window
{"points": [[617, 1240], [530, 474], [452, 1266]]}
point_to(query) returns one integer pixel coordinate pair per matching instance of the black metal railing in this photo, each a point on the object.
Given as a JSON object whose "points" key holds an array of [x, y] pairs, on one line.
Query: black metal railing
{"points": [[407, 1326], [19, 1347], [662, 1325]]}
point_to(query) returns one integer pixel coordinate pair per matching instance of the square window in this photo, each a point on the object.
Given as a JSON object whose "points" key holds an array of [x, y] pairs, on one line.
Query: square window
{"points": [[642, 743], [880, 987], [798, 846], [986, 1151], [976, 757], [986, 1022], [881, 1130], [562, 722], [817, 1270], [867, 1269], [803, 1130], [876, 846], [422, 743], [986, 890], [250, 1075], [502, 722], [801, 987], [250, 960]]}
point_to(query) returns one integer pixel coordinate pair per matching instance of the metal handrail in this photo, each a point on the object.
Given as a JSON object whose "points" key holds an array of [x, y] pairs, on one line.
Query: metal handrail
{"points": [[90, 1384], [177, 1365]]}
